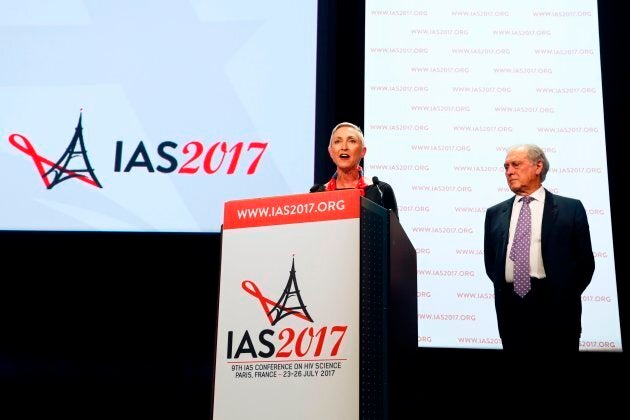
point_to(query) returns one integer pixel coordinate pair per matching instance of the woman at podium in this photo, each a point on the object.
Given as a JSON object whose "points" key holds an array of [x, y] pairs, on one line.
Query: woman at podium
{"points": [[346, 149]]}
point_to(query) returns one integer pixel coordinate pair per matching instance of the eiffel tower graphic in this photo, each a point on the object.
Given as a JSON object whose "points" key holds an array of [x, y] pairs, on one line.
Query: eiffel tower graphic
{"points": [[291, 293], [76, 149]]}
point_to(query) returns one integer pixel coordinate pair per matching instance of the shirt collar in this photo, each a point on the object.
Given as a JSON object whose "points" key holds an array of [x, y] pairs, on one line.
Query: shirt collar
{"points": [[538, 195]]}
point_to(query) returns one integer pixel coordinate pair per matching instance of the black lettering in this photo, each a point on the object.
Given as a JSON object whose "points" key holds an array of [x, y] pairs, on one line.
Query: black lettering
{"points": [[246, 346], [135, 162], [118, 156], [268, 344], [164, 154]]}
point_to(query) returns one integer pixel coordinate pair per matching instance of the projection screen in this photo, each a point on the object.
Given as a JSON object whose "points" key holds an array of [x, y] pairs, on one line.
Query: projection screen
{"points": [[147, 116]]}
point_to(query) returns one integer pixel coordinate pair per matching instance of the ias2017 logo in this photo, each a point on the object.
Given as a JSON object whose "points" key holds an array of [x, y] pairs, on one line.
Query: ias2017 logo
{"points": [[323, 342], [221, 156], [73, 163]]}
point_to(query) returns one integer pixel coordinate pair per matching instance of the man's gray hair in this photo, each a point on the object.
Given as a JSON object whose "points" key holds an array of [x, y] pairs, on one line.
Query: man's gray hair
{"points": [[534, 154]]}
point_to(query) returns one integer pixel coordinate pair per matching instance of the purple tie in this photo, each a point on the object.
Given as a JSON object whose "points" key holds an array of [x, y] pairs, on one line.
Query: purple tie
{"points": [[520, 249]]}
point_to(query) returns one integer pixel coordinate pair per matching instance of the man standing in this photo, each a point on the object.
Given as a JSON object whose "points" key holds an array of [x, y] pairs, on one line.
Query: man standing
{"points": [[537, 252]]}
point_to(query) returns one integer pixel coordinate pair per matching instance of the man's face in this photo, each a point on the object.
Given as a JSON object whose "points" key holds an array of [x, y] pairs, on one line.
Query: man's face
{"points": [[522, 175]]}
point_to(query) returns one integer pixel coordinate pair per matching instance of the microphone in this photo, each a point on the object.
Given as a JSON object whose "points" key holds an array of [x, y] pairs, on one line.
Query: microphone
{"points": [[315, 188], [376, 182]]}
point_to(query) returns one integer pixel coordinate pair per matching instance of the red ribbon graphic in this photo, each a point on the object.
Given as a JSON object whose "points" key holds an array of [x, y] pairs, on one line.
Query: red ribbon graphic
{"points": [[39, 160], [268, 304]]}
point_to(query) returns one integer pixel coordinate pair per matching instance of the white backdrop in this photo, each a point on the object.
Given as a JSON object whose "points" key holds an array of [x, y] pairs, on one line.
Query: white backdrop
{"points": [[449, 86]]}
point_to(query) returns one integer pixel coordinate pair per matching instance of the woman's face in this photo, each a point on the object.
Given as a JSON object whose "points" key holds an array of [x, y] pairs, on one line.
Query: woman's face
{"points": [[346, 148]]}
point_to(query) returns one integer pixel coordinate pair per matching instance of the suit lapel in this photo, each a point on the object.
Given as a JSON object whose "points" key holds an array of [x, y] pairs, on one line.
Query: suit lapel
{"points": [[506, 214], [550, 212]]}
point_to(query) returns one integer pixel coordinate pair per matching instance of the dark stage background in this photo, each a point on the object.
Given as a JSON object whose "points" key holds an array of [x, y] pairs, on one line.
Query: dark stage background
{"points": [[122, 325]]}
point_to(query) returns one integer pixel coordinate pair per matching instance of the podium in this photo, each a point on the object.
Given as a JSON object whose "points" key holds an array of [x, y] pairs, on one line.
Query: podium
{"points": [[317, 313]]}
